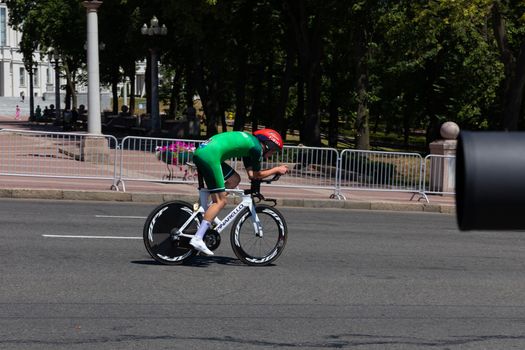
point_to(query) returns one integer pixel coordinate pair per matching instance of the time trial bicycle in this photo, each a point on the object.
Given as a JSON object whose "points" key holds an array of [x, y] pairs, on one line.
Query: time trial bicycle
{"points": [[258, 234]]}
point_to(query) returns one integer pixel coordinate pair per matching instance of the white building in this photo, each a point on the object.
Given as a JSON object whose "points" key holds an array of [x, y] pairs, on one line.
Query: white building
{"points": [[14, 78]]}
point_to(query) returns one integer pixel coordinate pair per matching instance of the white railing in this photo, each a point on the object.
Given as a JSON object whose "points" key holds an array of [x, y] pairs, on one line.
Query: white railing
{"points": [[59, 155], [70, 155], [439, 174], [380, 171], [310, 167], [139, 160]]}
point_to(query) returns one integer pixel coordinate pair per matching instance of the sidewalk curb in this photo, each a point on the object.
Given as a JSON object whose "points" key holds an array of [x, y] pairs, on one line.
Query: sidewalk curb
{"points": [[148, 197]]}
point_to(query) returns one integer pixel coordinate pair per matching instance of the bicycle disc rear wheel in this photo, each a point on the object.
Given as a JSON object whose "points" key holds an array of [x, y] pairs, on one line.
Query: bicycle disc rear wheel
{"points": [[252, 249], [160, 232]]}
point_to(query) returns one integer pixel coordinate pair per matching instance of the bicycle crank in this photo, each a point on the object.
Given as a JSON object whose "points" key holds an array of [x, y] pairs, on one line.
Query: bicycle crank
{"points": [[212, 239]]}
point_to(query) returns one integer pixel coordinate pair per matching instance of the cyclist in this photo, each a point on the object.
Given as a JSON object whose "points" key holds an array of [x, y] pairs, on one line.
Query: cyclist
{"points": [[210, 160]]}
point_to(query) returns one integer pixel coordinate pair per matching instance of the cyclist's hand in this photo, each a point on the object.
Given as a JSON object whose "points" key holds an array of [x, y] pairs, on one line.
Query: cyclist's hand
{"points": [[282, 169]]}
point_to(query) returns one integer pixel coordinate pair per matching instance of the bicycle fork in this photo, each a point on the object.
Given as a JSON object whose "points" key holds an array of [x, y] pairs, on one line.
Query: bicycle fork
{"points": [[257, 226]]}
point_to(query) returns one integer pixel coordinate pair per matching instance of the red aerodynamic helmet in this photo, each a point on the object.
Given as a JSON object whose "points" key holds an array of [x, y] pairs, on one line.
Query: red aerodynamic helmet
{"points": [[270, 138]]}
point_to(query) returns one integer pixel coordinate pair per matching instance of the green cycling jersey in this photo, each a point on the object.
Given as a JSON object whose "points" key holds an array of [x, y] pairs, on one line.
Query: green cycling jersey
{"points": [[211, 155]]}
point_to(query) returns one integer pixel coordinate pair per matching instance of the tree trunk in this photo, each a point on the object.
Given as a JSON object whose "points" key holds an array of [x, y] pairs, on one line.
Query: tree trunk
{"points": [[362, 138], [514, 96], [333, 126], [212, 111], [500, 34], [269, 104], [69, 94], [312, 129], [74, 96], [299, 110], [70, 86], [279, 120], [222, 113], [148, 84], [129, 71], [212, 105], [514, 68], [313, 88], [257, 97], [114, 93], [244, 43], [205, 93], [190, 82], [240, 92], [31, 96], [174, 96], [132, 94], [407, 117], [308, 38]]}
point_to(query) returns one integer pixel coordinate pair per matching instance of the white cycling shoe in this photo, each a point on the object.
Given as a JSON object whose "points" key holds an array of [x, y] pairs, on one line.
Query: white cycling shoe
{"points": [[199, 245]]}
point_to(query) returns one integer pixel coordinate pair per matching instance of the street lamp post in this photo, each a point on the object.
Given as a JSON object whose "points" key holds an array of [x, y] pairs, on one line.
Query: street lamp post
{"points": [[154, 30], [53, 56]]}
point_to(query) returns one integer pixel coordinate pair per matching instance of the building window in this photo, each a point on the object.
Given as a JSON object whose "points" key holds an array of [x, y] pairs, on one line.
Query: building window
{"points": [[22, 77], [3, 27], [48, 76], [35, 77]]}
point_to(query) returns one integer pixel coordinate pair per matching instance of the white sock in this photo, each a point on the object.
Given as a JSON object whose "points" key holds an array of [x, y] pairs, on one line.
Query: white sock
{"points": [[205, 225]]}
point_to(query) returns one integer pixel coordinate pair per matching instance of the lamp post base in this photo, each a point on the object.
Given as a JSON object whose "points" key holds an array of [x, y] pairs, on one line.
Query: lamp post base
{"points": [[95, 149]]}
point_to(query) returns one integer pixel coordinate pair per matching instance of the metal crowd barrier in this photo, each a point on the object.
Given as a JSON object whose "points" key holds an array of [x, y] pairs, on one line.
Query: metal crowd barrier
{"points": [[58, 155], [439, 175], [380, 171], [310, 167], [142, 159], [70, 155]]}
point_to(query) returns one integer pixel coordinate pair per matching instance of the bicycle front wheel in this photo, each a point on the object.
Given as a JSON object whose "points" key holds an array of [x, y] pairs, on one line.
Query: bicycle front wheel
{"points": [[252, 249], [160, 232]]}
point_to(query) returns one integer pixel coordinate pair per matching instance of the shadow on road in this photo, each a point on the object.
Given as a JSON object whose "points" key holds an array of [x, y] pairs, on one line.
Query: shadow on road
{"points": [[199, 261]]}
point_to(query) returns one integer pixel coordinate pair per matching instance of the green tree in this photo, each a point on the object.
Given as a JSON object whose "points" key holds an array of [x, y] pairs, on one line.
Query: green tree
{"points": [[119, 27], [309, 23], [61, 33], [29, 41], [509, 32], [439, 64]]}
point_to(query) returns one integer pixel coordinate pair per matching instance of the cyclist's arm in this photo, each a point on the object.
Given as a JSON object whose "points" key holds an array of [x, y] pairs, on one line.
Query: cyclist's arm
{"points": [[261, 174]]}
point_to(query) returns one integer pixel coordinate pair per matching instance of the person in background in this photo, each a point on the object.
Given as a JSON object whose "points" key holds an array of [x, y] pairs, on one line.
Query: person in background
{"points": [[17, 112], [38, 112]]}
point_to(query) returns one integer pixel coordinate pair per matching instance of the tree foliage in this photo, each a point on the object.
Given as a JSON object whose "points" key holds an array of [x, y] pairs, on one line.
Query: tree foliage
{"points": [[316, 67]]}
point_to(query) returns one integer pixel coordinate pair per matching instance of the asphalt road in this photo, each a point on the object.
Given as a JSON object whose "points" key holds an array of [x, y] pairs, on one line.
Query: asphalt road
{"points": [[347, 279]]}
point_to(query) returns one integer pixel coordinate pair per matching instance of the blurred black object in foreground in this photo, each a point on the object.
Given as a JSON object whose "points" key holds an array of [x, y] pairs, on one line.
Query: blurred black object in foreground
{"points": [[490, 181]]}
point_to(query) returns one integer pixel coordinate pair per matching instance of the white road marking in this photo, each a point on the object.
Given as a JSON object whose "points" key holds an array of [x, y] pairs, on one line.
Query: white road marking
{"points": [[90, 237], [101, 237], [120, 217]]}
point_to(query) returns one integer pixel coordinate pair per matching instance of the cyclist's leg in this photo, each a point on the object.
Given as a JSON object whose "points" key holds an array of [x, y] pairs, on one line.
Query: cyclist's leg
{"points": [[217, 177], [211, 170], [219, 201], [231, 177], [212, 173]]}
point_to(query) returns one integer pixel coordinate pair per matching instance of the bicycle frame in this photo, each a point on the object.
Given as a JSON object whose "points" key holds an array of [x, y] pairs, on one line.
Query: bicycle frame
{"points": [[221, 225]]}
